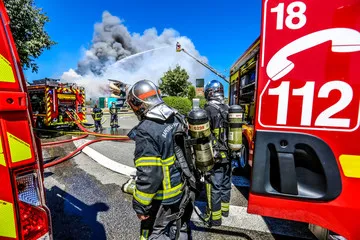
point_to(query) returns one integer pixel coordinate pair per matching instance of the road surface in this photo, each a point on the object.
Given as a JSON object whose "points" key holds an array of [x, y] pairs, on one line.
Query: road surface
{"points": [[86, 201]]}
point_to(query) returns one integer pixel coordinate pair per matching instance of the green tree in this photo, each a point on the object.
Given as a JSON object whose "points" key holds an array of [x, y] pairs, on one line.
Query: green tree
{"points": [[27, 27], [175, 82], [192, 92]]}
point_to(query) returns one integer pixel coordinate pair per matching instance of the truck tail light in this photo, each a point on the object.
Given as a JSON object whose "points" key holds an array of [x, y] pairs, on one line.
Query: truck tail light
{"points": [[34, 216]]}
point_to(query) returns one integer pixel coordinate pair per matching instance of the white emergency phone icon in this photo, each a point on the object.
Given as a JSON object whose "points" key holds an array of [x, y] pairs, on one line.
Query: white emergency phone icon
{"points": [[343, 40]]}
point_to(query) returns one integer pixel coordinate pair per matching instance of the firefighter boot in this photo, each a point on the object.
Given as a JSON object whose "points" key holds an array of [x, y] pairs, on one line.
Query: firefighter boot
{"points": [[225, 209], [214, 220]]}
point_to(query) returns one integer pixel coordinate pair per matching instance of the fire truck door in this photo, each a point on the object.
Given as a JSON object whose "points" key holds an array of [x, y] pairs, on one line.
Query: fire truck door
{"points": [[23, 213], [307, 160]]}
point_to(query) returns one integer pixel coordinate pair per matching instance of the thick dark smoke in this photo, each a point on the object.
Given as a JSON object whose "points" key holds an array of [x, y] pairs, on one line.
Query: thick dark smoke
{"points": [[111, 42], [116, 53]]}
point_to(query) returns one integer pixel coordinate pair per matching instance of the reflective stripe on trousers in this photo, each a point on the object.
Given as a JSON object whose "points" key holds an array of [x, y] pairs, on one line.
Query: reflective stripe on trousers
{"points": [[218, 190]]}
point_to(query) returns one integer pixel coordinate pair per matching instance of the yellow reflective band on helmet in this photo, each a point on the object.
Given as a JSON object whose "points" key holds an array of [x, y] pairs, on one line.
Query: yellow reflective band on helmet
{"points": [[143, 198], [225, 207], [166, 181], [168, 193], [19, 150], [2, 158], [6, 71], [7, 220], [216, 215], [144, 234], [154, 161]]}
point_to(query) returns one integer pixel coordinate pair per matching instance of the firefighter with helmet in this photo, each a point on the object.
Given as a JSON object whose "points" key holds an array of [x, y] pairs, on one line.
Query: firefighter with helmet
{"points": [[114, 116], [218, 182], [158, 194], [97, 115]]}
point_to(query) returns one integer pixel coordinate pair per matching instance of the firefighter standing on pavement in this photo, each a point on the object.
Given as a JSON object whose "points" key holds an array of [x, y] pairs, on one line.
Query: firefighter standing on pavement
{"points": [[158, 192], [218, 186], [96, 115], [114, 116]]}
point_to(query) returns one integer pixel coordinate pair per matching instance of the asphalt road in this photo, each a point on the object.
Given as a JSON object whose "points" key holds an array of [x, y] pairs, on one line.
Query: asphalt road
{"points": [[86, 201]]}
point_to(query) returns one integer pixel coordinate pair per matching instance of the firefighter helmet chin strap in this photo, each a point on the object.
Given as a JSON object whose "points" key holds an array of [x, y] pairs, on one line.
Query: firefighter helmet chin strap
{"points": [[160, 112]]}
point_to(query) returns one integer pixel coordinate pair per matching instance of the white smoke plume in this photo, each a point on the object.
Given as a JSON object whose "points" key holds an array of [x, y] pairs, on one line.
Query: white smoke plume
{"points": [[112, 45]]}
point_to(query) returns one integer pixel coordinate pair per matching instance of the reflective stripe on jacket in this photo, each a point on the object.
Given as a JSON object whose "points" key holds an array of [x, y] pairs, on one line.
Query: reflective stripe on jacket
{"points": [[157, 176], [97, 114]]}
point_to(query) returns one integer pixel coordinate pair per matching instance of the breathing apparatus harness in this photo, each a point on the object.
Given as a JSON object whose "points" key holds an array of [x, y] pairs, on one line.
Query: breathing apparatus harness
{"points": [[185, 151], [221, 143]]}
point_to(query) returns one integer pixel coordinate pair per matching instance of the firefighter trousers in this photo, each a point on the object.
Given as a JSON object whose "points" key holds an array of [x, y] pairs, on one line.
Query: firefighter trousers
{"points": [[218, 189], [158, 227], [114, 120], [98, 125]]}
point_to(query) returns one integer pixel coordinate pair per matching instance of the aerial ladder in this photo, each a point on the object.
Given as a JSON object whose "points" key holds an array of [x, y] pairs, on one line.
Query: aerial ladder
{"points": [[180, 49]]}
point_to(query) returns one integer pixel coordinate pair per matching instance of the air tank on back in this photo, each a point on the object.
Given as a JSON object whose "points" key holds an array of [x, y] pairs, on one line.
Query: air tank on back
{"points": [[235, 127], [199, 129]]}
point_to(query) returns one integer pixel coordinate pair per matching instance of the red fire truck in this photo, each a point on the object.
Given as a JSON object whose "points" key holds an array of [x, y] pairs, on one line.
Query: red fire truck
{"points": [[53, 101], [23, 213], [306, 158]]}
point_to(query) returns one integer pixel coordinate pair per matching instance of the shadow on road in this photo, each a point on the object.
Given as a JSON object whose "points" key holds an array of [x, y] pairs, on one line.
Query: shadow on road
{"points": [[221, 232], [73, 219]]}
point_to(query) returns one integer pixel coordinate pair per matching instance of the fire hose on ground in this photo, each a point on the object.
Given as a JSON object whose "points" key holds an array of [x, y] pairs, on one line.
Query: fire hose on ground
{"points": [[63, 141], [85, 133], [82, 133], [70, 155]]}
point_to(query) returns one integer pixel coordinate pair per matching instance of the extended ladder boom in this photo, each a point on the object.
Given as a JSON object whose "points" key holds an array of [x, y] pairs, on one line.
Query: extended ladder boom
{"points": [[179, 49]]}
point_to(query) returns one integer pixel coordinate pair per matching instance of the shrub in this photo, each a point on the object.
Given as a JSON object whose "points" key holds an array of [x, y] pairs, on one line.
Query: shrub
{"points": [[182, 104], [192, 92], [202, 102]]}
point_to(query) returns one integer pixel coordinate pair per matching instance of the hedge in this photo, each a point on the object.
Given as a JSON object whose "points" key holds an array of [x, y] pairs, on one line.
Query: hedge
{"points": [[202, 101], [182, 104]]}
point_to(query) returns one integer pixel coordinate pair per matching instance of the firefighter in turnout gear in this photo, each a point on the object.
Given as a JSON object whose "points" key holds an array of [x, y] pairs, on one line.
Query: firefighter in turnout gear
{"points": [[218, 186], [97, 115], [159, 190], [114, 116]]}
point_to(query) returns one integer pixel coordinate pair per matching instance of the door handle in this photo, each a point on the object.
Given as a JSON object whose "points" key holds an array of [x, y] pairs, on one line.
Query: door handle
{"points": [[288, 179]]}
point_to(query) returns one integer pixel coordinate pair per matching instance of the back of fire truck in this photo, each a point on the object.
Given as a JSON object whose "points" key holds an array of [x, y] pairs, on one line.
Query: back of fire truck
{"points": [[23, 213], [306, 158], [57, 105]]}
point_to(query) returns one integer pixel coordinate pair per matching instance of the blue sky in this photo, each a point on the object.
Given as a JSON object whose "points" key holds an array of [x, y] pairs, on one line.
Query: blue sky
{"points": [[220, 29]]}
